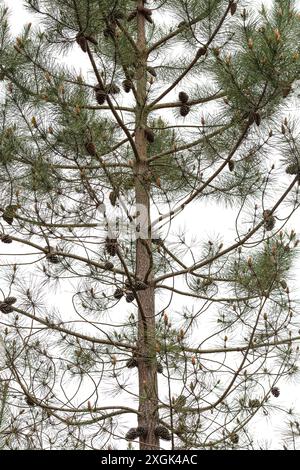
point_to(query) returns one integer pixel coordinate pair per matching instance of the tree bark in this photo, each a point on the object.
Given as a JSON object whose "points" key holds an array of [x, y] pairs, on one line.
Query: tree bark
{"points": [[146, 350]]}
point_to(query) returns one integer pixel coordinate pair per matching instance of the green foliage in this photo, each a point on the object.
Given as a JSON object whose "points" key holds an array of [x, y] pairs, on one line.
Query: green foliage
{"points": [[263, 65], [264, 269]]}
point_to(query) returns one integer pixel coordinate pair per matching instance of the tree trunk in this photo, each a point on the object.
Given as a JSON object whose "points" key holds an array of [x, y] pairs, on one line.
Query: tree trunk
{"points": [[148, 399]]}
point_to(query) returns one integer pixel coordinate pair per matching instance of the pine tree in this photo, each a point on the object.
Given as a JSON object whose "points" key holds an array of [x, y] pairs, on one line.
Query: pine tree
{"points": [[158, 338]]}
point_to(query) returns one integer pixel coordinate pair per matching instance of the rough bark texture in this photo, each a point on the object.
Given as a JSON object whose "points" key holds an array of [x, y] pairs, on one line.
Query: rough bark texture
{"points": [[146, 321]]}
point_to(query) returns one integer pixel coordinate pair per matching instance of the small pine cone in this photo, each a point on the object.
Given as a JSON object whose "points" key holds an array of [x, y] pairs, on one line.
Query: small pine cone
{"points": [[131, 434], [149, 134], [109, 32], [234, 438], [130, 297], [147, 13], [275, 392], [201, 52], [148, 18], [118, 15], [257, 118], [131, 15], [5, 308], [184, 110], [163, 433], [111, 246], [140, 285], [269, 220], [233, 8], [293, 169], [118, 294], [54, 259], [91, 148], [254, 403], [112, 89], [183, 97], [283, 284], [8, 218], [286, 91], [152, 71], [82, 42], [231, 165], [156, 241], [131, 363], [29, 401], [108, 265], [113, 196], [127, 85], [10, 300], [100, 96], [6, 239], [159, 368], [141, 431], [269, 223]]}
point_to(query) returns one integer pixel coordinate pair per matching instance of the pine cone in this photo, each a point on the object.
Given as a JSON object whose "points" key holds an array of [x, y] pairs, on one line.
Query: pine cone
{"points": [[257, 119], [269, 220], [91, 148], [183, 97], [140, 285], [254, 403], [100, 96], [113, 196], [286, 90], [283, 283], [6, 308], [231, 165], [109, 32], [152, 71], [82, 42], [6, 239], [275, 392], [141, 431], [8, 219], [9, 213], [201, 52], [29, 401], [54, 259], [131, 15], [132, 362], [149, 134], [112, 89], [130, 297], [111, 246], [131, 434], [127, 85], [184, 110], [127, 284], [108, 265], [117, 15], [118, 294], [10, 300], [146, 12], [293, 169], [233, 8], [159, 368], [163, 433], [234, 438]]}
